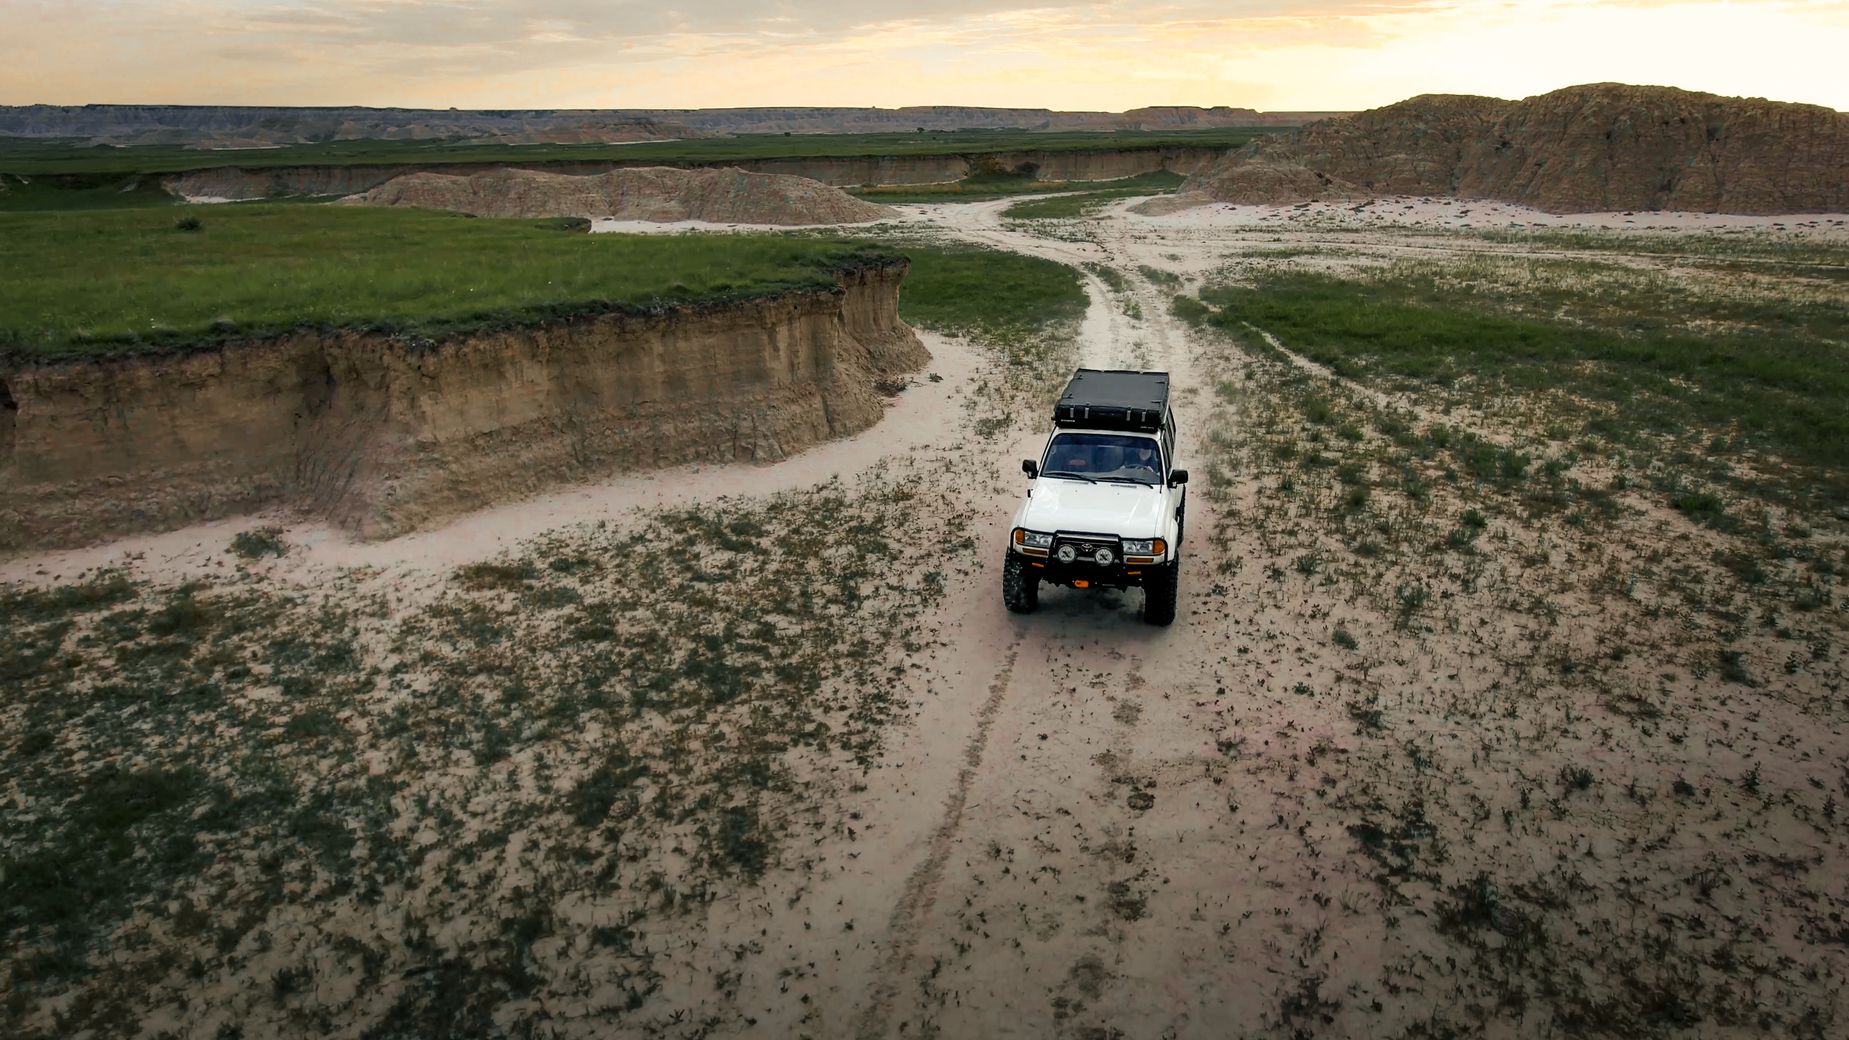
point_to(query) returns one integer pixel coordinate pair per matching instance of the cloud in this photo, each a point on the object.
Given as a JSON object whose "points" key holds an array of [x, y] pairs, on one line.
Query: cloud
{"points": [[1046, 53]]}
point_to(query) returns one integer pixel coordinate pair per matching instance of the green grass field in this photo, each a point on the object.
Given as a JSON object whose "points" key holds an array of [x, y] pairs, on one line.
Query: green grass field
{"points": [[124, 281], [980, 189], [35, 156], [114, 282], [988, 294], [107, 191], [1094, 197]]}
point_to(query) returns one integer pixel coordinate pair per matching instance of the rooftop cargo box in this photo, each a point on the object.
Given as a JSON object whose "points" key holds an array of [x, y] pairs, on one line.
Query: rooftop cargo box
{"points": [[1114, 399]]}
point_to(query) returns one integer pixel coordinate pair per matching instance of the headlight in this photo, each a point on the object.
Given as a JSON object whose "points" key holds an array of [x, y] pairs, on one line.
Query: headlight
{"points": [[1145, 547], [1032, 539]]}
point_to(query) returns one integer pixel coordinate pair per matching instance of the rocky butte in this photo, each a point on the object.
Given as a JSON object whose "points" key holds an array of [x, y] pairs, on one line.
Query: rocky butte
{"points": [[1596, 148]]}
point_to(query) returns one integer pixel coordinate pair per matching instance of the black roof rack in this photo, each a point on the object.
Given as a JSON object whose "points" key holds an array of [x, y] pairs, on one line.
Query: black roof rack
{"points": [[1114, 399]]}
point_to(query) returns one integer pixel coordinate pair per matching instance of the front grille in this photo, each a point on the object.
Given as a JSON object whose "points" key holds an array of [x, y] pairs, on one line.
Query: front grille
{"points": [[1085, 549]]}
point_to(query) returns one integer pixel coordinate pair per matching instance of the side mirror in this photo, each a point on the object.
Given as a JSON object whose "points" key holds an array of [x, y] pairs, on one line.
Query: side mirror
{"points": [[1030, 467], [1177, 477]]}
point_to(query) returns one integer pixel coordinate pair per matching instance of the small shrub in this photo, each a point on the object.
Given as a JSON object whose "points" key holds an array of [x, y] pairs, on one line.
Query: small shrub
{"points": [[1190, 310], [189, 223], [1733, 668], [263, 541], [1578, 778], [1343, 639], [1412, 599], [495, 575]]}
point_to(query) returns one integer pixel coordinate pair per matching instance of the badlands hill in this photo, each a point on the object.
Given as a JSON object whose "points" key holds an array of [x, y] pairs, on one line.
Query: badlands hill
{"points": [[229, 126], [655, 193], [1593, 148]]}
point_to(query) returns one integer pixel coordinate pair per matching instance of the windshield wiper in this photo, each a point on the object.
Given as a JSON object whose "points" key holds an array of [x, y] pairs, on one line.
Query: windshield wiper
{"points": [[1060, 474], [1124, 480]]}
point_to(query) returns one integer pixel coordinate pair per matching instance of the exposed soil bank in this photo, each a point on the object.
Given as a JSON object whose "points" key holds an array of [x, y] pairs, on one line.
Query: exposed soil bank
{"points": [[1091, 165], [382, 437]]}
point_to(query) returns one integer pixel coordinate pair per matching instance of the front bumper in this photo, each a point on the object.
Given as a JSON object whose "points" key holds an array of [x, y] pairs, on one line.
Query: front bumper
{"points": [[1083, 570]]}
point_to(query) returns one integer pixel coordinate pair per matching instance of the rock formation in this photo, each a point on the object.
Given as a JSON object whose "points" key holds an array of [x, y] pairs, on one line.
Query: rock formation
{"points": [[383, 436], [658, 193], [1600, 147]]}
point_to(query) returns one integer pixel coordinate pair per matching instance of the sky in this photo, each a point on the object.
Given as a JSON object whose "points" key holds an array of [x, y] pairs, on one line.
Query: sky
{"points": [[1274, 55]]}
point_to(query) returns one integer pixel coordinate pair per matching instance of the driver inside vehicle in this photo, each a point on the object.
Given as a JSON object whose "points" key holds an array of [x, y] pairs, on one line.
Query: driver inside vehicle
{"points": [[1142, 458]]}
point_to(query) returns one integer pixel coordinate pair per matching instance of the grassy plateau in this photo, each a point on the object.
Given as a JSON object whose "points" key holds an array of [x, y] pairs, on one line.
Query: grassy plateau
{"points": [[115, 282]]}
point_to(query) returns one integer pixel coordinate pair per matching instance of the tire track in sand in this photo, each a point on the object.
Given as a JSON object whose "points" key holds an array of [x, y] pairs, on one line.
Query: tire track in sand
{"points": [[920, 891]]}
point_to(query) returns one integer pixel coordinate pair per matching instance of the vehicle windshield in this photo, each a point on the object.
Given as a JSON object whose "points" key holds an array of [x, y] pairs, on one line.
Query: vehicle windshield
{"points": [[1107, 457]]}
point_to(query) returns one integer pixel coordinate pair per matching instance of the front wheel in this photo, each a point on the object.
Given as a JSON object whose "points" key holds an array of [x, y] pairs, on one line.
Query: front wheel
{"points": [[1020, 589], [1159, 594]]}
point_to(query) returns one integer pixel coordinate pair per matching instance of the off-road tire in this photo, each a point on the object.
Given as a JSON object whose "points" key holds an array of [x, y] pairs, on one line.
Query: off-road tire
{"points": [[1020, 589], [1159, 594]]}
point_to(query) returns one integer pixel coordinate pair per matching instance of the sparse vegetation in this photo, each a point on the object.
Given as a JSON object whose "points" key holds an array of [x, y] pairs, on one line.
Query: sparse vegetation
{"points": [[1665, 364], [707, 675], [1591, 522]]}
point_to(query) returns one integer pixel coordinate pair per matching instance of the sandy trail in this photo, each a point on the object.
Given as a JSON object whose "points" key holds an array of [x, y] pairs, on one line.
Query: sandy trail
{"points": [[1008, 911]]}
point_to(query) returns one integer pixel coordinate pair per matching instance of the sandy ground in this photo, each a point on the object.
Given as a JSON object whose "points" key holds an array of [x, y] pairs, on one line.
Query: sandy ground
{"points": [[1438, 213], [1089, 827]]}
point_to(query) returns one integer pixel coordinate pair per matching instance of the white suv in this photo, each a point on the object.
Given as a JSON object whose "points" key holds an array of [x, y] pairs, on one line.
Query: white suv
{"points": [[1107, 506]]}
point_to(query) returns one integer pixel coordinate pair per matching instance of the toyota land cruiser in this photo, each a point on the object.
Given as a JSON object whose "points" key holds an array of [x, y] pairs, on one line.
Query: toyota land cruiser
{"points": [[1106, 507]]}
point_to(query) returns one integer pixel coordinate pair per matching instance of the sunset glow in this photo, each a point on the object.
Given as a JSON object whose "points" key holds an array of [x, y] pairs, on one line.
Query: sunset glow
{"points": [[1272, 54]]}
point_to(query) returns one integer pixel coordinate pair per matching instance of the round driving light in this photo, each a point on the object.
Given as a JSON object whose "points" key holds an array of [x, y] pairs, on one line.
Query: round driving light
{"points": [[1104, 557], [1067, 554]]}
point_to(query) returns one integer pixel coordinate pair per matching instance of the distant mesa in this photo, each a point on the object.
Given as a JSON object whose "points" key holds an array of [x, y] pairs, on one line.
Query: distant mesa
{"points": [[651, 193], [1601, 147], [232, 126]]}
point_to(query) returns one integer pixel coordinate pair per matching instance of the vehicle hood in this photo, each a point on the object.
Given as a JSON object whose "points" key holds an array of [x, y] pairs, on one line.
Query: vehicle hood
{"points": [[1127, 510]]}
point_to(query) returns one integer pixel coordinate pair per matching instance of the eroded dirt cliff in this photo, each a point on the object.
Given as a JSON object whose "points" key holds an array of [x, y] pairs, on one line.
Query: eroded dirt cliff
{"points": [[383, 436], [1594, 148]]}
